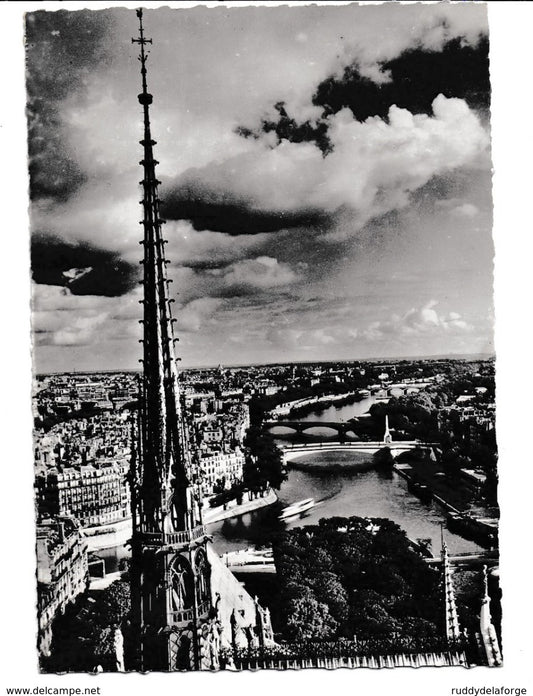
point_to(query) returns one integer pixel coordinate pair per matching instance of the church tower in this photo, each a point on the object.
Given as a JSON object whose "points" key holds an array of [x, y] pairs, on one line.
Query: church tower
{"points": [[174, 624]]}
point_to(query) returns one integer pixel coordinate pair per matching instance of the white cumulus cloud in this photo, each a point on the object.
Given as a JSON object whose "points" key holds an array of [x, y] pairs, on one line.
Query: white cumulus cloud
{"points": [[262, 272], [415, 322], [373, 167]]}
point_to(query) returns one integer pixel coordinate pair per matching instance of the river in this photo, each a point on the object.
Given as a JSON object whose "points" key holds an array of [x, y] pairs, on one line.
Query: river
{"points": [[351, 489], [340, 413], [331, 413], [362, 492]]}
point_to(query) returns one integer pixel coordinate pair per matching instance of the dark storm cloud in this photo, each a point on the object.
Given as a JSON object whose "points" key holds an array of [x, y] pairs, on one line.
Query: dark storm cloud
{"points": [[61, 50], [212, 198], [190, 199], [80, 267], [417, 76], [286, 128]]}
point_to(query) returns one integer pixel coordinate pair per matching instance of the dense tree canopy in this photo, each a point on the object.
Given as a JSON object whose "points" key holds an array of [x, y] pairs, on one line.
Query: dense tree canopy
{"points": [[354, 576]]}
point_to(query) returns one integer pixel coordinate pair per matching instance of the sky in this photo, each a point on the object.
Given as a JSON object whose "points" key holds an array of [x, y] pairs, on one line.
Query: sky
{"points": [[326, 178]]}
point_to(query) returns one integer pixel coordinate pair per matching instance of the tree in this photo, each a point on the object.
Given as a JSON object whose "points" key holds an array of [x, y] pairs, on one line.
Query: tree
{"points": [[329, 590], [383, 458], [114, 604], [369, 617], [264, 461], [309, 619]]}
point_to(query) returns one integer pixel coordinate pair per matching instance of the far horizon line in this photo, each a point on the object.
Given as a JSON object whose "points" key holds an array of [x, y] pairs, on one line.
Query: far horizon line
{"points": [[441, 356]]}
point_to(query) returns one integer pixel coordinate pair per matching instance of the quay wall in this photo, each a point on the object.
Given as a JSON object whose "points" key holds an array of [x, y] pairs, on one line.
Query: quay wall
{"points": [[437, 498], [217, 514], [118, 533]]}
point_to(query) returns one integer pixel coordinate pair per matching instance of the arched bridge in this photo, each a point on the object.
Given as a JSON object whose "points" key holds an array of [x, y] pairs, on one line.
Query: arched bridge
{"points": [[302, 426], [400, 389], [294, 451]]}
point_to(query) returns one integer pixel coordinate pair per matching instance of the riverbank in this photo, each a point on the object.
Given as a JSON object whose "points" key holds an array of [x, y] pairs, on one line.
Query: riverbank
{"points": [[406, 471], [320, 404], [429, 483], [315, 404], [117, 534], [218, 514], [456, 496], [107, 536]]}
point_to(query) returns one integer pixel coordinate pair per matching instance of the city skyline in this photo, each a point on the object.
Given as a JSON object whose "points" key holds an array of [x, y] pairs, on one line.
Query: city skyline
{"points": [[292, 233], [329, 361]]}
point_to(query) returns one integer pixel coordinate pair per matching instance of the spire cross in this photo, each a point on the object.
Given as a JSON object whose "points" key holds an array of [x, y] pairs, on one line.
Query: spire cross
{"points": [[145, 99], [141, 39]]}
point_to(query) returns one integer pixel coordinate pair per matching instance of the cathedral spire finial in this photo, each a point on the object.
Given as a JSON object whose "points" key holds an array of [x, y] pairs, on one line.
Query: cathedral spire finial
{"points": [[144, 97]]}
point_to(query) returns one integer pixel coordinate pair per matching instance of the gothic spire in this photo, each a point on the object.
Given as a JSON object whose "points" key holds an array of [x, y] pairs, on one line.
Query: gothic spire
{"points": [[166, 501], [174, 574]]}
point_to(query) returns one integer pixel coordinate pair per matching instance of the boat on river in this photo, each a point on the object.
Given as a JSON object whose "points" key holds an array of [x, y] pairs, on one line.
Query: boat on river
{"points": [[297, 508]]}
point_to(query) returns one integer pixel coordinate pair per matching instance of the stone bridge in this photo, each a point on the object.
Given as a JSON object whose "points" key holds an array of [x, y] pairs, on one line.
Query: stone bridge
{"points": [[294, 451], [301, 426], [400, 389]]}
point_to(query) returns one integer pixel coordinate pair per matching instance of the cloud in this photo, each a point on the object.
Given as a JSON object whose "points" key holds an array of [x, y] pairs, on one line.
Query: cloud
{"points": [[80, 332], [192, 316], [225, 211], [206, 249], [452, 66], [466, 210], [300, 338], [415, 322], [61, 50], [287, 136], [263, 272], [457, 207], [61, 318], [82, 104], [84, 269], [372, 170]]}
